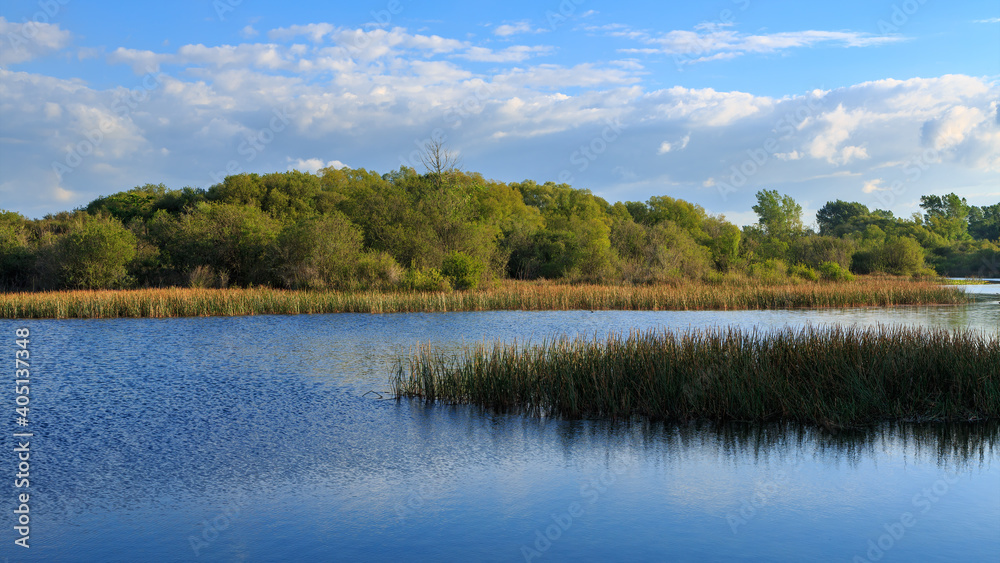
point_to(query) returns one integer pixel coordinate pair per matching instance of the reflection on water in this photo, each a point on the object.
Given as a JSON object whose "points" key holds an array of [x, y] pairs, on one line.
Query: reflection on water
{"points": [[251, 439]]}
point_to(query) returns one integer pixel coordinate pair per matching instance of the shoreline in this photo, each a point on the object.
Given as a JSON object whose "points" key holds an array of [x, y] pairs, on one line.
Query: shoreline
{"points": [[505, 296]]}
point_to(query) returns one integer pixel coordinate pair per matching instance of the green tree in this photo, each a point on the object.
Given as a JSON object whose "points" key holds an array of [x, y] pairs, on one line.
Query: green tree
{"points": [[984, 222], [318, 252], [836, 216], [779, 216], [947, 216], [96, 255]]}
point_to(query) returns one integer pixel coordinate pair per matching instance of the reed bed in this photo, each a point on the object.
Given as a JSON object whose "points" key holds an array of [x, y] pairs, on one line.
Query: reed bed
{"points": [[180, 302], [833, 377]]}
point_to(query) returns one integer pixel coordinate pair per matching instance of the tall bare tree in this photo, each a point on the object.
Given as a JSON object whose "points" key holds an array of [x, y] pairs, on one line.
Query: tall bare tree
{"points": [[438, 160]]}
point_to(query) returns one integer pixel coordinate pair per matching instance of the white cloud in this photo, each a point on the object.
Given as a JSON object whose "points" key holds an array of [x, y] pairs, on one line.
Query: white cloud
{"points": [[872, 186], [370, 97], [666, 147], [314, 31], [23, 42], [514, 54], [313, 165], [835, 128], [248, 32], [516, 28], [988, 20], [952, 128], [709, 42]]}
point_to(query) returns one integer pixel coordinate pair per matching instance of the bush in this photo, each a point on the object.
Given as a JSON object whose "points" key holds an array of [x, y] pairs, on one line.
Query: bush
{"points": [[899, 256], [462, 270], [769, 272], [814, 250], [804, 272], [378, 270], [430, 279], [202, 277], [834, 272]]}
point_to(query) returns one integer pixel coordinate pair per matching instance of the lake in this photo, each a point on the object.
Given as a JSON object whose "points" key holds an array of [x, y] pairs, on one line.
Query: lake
{"points": [[255, 439]]}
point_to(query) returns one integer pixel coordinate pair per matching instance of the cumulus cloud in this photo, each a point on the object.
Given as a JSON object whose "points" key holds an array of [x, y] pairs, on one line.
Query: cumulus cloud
{"points": [[24, 42], [313, 165], [872, 186], [951, 128], [370, 98]]}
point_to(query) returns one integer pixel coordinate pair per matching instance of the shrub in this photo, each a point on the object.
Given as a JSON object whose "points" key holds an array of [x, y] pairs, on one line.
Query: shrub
{"points": [[430, 279], [834, 272], [378, 270], [804, 272], [462, 270], [771, 271]]}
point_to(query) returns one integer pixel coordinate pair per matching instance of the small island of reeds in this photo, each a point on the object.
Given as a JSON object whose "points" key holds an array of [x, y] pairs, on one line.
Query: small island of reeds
{"points": [[832, 377], [735, 294]]}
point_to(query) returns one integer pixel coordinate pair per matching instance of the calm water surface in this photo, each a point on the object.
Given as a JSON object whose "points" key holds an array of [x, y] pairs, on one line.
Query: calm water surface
{"points": [[252, 439]]}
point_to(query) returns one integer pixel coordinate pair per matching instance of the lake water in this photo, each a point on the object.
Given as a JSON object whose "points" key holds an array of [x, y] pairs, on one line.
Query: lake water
{"points": [[252, 439]]}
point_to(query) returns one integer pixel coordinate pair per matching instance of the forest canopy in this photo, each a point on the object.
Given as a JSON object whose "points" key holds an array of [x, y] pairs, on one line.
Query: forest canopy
{"points": [[350, 229]]}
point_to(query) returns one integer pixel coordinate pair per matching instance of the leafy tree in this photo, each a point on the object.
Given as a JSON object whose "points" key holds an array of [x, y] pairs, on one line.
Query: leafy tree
{"points": [[137, 203], [722, 239], [814, 250], [96, 255], [687, 216], [17, 255], [894, 255], [234, 240], [779, 216], [984, 222], [836, 216], [947, 216], [318, 252]]}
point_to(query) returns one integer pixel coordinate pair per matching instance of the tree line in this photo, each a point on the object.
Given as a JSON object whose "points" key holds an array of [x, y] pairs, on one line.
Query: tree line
{"points": [[352, 229]]}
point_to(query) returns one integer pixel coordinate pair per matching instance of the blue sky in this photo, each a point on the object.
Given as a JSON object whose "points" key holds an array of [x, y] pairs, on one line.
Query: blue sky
{"points": [[709, 102]]}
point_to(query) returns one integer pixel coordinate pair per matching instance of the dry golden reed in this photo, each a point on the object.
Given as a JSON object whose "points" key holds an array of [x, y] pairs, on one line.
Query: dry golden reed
{"points": [[531, 296]]}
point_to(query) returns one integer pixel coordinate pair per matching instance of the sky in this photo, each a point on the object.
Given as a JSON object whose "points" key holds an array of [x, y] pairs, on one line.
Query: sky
{"points": [[710, 102]]}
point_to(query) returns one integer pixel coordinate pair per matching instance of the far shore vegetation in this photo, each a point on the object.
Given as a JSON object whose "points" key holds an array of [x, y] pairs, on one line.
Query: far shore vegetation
{"points": [[730, 293], [831, 377], [354, 231]]}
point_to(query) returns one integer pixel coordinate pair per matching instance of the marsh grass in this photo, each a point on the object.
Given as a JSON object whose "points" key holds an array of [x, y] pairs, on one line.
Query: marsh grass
{"points": [[178, 302], [833, 377]]}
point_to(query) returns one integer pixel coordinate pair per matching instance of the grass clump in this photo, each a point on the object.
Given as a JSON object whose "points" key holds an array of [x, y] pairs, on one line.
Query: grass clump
{"points": [[834, 377]]}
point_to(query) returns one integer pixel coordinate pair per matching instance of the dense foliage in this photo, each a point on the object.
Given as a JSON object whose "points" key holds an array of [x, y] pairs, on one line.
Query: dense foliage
{"points": [[352, 229]]}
